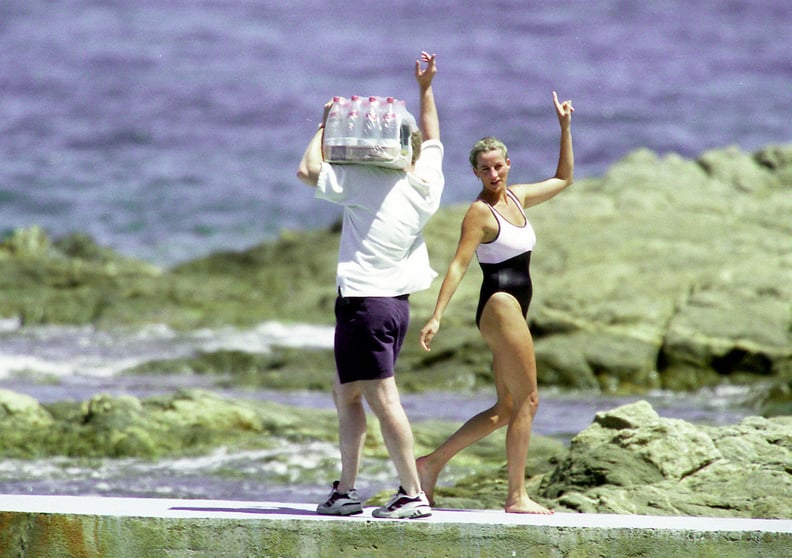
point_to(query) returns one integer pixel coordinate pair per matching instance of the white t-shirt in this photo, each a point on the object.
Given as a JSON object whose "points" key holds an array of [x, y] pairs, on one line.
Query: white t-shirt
{"points": [[382, 251]]}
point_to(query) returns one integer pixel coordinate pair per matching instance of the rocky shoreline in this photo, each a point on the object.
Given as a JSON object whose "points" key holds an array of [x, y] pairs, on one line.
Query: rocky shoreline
{"points": [[629, 461], [663, 273]]}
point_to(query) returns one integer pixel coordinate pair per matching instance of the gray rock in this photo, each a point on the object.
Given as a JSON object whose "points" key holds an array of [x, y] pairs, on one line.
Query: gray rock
{"points": [[630, 460]]}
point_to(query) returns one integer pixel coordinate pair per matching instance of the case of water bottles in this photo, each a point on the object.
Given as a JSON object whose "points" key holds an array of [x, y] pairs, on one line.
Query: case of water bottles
{"points": [[370, 131]]}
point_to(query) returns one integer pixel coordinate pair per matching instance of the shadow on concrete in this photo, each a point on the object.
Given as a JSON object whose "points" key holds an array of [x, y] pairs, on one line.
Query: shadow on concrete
{"points": [[260, 511]]}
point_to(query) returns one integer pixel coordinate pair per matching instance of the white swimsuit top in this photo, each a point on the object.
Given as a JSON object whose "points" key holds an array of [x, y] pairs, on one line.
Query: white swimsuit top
{"points": [[512, 240]]}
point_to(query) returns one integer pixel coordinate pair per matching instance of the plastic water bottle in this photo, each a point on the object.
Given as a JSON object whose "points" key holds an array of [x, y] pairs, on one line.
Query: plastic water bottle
{"points": [[335, 121], [371, 123], [333, 145], [352, 121], [390, 125]]}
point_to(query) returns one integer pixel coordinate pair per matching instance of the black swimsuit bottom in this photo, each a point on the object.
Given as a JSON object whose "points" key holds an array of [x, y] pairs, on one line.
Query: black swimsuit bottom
{"points": [[511, 276]]}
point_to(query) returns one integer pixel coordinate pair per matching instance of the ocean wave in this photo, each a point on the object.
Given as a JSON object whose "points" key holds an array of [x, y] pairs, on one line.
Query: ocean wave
{"points": [[63, 351]]}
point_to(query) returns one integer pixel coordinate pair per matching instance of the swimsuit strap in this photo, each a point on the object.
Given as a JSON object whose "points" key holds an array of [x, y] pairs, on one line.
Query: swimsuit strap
{"points": [[499, 217]]}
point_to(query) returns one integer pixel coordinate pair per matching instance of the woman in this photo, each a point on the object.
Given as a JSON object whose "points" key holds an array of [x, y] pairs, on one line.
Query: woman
{"points": [[496, 229]]}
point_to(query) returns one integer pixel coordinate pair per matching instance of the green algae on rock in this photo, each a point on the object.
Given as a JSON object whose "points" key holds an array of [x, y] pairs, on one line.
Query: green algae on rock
{"points": [[187, 423]]}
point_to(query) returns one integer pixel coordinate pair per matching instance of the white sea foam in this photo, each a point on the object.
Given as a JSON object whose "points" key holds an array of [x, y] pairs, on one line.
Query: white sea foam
{"points": [[9, 324], [85, 351]]}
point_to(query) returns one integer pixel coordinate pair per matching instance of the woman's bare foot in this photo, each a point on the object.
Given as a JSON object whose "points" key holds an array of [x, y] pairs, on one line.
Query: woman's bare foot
{"points": [[526, 505], [427, 477]]}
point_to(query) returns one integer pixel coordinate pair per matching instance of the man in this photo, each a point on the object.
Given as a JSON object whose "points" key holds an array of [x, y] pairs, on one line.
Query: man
{"points": [[382, 259]]}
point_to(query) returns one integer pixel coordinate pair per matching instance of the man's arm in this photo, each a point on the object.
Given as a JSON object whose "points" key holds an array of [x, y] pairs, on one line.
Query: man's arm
{"points": [[311, 162], [429, 121]]}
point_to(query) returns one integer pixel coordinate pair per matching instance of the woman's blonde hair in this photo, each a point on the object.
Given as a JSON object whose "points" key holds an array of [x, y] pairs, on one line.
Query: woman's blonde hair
{"points": [[485, 145]]}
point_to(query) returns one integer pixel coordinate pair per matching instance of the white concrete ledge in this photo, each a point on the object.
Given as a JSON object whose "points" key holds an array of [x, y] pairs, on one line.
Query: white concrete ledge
{"points": [[121, 527], [273, 511]]}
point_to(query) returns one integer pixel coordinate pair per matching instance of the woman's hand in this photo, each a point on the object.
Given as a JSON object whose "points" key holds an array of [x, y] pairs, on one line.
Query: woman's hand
{"points": [[428, 333], [563, 110]]}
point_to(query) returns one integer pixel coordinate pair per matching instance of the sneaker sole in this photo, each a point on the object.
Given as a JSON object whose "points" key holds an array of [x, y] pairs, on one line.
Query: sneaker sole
{"points": [[343, 511], [417, 513]]}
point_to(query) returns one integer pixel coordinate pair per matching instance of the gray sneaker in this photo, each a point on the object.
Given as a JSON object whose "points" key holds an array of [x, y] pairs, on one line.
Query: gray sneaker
{"points": [[340, 504], [400, 506]]}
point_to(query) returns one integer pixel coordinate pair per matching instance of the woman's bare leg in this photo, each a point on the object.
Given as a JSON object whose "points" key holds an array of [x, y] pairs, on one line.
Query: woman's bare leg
{"points": [[514, 364], [476, 428]]}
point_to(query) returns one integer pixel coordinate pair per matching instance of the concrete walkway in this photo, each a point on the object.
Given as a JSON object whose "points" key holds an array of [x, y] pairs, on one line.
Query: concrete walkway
{"points": [[70, 526]]}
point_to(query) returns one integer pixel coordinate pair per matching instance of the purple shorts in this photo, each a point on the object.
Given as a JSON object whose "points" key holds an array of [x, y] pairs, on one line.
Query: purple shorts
{"points": [[369, 334]]}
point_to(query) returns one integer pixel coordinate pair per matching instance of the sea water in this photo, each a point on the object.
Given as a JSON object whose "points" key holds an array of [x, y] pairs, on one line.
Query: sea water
{"points": [[168, 130]]}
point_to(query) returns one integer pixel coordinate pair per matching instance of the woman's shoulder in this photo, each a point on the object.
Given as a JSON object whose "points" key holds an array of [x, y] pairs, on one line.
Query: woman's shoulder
{"points": [[480, 216], [479, 206]]}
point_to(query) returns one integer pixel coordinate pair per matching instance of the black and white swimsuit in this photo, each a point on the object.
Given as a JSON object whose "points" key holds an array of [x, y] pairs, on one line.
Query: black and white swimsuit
{"points": [[505, 261]]}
